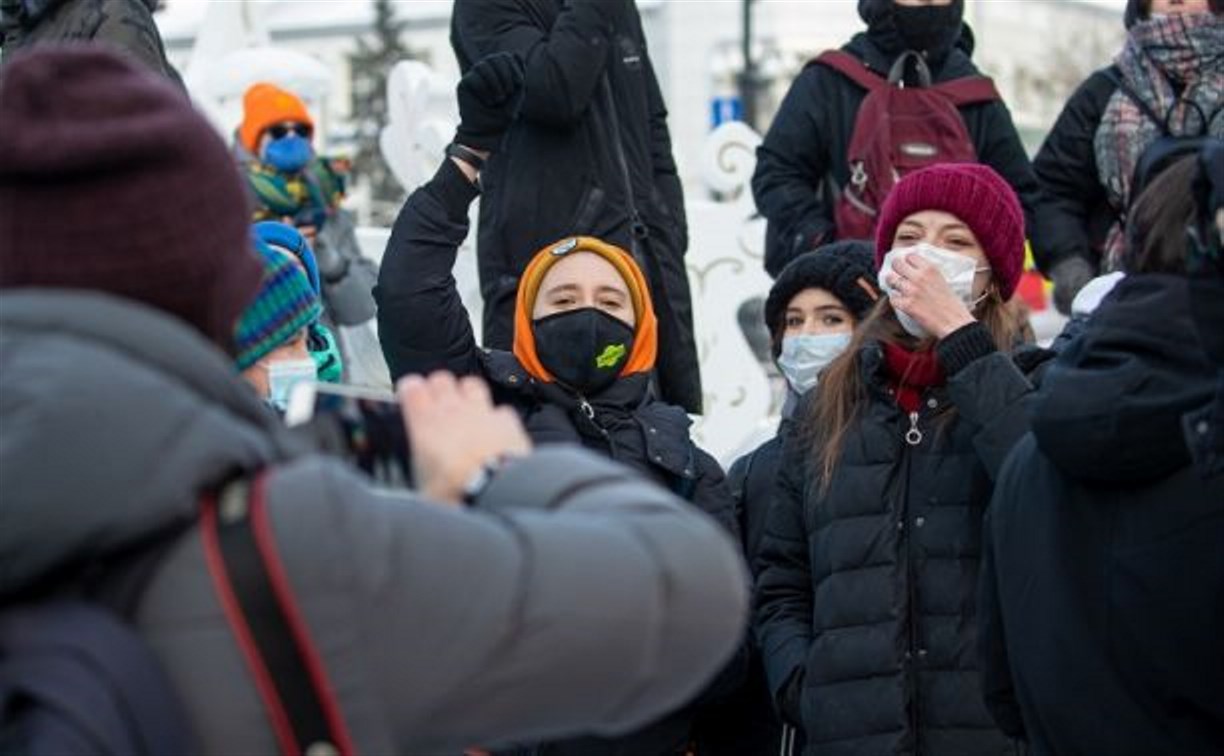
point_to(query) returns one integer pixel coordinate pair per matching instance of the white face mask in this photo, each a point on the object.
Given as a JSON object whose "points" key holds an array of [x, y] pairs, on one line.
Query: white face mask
{"points": [[805, 355], [283, 375], [957, 270]]}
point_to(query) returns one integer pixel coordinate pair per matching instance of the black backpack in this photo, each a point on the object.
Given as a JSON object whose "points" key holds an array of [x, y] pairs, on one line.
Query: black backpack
{"points": [[76, 677]]}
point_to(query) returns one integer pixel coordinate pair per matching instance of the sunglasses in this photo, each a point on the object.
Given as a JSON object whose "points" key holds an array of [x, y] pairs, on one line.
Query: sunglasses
{"points": [[280, 131]]}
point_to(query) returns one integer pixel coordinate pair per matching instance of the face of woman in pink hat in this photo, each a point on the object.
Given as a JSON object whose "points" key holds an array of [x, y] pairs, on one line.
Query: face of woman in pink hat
{"points": [[940, 285], [949, 233]]}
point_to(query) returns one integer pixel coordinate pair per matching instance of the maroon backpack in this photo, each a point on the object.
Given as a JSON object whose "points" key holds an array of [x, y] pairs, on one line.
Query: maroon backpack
{"points": [[899, 129]]}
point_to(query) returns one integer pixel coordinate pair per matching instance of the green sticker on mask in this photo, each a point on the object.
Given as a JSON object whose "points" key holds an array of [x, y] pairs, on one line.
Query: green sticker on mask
{"points": [[611, 355]]}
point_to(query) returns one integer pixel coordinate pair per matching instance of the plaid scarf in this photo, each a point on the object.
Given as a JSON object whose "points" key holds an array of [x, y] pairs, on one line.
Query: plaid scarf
{"points": [[1175, 64]]}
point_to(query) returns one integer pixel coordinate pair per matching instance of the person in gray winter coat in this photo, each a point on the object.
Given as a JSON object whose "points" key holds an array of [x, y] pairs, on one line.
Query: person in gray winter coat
{"points": [[438, 626]]}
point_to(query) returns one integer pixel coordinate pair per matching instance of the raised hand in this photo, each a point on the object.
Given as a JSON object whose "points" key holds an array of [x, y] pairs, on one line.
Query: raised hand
{"points": [[920, 291], [488, 95], [453, 430]]}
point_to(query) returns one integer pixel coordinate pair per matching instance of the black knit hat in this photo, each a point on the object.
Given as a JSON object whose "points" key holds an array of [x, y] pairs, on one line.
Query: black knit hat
{"points": [[845, 269]]}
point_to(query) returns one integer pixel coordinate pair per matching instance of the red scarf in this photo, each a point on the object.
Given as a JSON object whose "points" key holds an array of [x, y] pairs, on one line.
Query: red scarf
{"points": [[911, 373]]}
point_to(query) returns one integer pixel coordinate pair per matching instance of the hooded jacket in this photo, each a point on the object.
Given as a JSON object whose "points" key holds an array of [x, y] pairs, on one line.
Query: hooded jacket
{"points": [[589, 153], [423, 326], [1103, 570], [801, 164], [865, 595], [438, 626]]}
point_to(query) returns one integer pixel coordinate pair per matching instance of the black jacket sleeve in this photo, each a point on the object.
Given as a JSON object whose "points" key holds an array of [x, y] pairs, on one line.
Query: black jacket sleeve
{"points": [[1070, 182], [782, 617], [998, 688], [564, 63], [988, 390], [422, 323], [792, 162], [713, 496]]}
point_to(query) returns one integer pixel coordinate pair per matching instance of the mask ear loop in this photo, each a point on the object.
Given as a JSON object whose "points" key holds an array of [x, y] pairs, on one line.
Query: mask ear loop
{"points": [[985, 292]]}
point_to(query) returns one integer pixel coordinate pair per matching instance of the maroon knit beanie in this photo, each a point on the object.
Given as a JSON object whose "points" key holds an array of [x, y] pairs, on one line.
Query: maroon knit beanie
{"points": [[110, 181], [976, 195]]}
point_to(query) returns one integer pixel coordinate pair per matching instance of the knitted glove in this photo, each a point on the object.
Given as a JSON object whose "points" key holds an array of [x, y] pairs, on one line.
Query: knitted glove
{"points": [[488, 95], [1069, 276]]}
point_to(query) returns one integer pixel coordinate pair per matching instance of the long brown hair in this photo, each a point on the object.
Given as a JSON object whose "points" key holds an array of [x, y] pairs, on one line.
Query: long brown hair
{"points": [[842, 391]]}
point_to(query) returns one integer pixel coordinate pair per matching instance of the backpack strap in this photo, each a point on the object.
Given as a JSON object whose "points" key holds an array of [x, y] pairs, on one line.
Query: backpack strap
{"points": [[968, 90], [254, 592], [852, 68]]}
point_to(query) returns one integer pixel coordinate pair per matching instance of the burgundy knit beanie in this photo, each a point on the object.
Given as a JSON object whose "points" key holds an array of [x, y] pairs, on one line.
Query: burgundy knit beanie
{"points": [[110, 181], [976, 195]]}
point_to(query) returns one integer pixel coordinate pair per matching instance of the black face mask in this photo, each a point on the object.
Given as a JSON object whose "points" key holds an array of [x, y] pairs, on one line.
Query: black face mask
{"points": [[930, 29], [584, 349]]}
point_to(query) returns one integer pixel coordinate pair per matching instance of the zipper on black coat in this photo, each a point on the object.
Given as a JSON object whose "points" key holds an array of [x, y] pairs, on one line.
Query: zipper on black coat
{"points": [[588, 412], [912, 439]]}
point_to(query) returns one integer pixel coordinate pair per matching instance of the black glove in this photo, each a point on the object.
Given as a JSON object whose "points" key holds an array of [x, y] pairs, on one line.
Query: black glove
{"points": [[489, 94], [1069, 276]]}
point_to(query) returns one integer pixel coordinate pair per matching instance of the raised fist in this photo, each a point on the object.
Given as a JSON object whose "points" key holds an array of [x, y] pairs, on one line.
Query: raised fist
{"points": [[489, 94]]}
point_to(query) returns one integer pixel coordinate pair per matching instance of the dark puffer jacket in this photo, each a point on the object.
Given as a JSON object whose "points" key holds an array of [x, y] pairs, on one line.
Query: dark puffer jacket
{"points": [[588, 154], [423, 327], [1074, 213], [865, 602], [805, 148], [1103, 577]]}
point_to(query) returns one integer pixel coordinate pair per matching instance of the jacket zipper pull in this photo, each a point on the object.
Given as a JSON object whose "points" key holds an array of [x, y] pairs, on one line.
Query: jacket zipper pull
{"points": [[585, 407], [913, 436]]}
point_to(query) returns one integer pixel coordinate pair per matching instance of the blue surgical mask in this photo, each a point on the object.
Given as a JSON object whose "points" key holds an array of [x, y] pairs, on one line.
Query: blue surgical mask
{"points": [[283, 375], [805, 355], [289, 154]]}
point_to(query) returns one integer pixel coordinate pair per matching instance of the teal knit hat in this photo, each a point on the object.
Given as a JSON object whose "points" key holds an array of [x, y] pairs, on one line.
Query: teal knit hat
{"points": [[286, 304]]}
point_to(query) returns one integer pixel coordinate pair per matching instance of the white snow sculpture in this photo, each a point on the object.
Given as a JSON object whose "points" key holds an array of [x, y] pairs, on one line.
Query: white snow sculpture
{"points": [[233, 50], [219, 90], [421, 119]]}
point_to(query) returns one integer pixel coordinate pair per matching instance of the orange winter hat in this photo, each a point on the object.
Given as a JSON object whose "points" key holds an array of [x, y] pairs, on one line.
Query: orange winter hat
{"points": [[646, 331], [266, 105]]}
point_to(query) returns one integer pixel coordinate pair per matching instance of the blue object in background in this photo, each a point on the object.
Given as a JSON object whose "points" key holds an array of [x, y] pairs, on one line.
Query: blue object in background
{"points": [[724, 109]]}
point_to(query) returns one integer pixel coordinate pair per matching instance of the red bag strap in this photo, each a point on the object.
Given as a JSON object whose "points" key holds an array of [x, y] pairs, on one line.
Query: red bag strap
{"points": [[968, 90], [259, 605], [852, 68]]}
